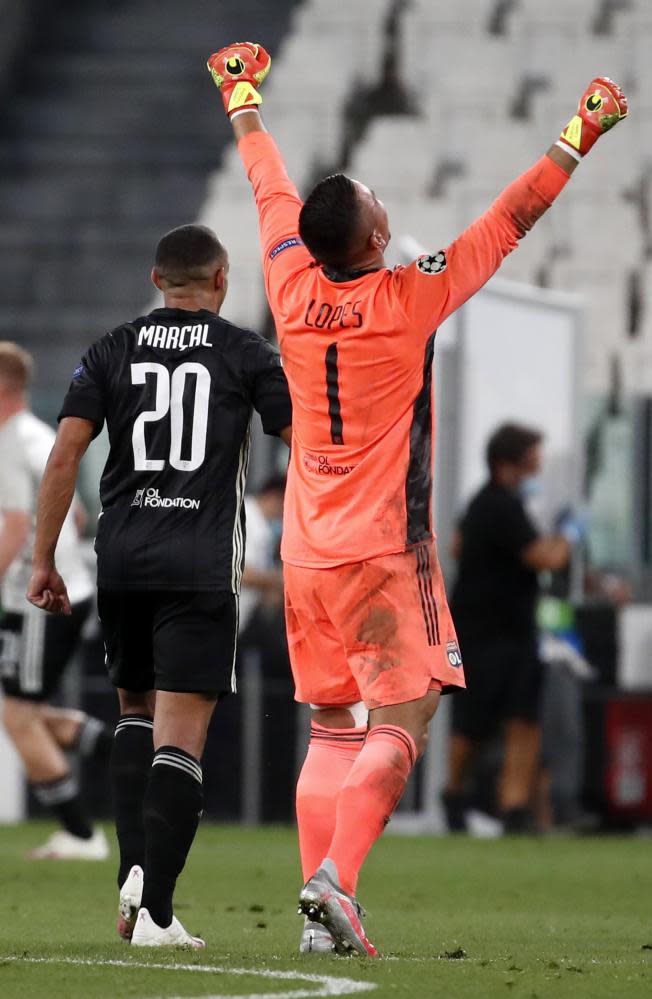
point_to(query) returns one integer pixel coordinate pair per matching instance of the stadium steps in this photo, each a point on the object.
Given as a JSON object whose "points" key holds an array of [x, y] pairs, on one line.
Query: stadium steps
{"points": [[30, 152], [582, 14], [491, 104], [433, 222], [73, 195], [107, 140]]}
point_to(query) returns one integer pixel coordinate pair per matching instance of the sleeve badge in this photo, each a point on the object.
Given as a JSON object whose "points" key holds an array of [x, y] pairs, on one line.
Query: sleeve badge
{"points": [[432, 263]]}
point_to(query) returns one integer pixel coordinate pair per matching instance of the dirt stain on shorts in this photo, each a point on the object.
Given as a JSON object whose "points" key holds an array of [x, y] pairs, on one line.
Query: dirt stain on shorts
{"points": [[379, 627], [378, 632]]}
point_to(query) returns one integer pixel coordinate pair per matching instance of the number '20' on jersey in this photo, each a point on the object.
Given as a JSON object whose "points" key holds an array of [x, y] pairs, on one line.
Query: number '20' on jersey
{"points": [[176, 390]]}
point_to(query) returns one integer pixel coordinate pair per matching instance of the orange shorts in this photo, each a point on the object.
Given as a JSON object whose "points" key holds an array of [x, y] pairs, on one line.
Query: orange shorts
{"points": [[378, 631]]}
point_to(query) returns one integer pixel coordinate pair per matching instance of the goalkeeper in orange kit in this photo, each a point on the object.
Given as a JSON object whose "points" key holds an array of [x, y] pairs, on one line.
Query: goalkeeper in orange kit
{"points": [[368, 624]]}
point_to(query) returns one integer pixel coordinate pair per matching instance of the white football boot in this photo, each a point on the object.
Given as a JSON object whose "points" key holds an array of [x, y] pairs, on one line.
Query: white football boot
{"points": [[129, 904], [316, 939], [147, 934], [62, 845]]}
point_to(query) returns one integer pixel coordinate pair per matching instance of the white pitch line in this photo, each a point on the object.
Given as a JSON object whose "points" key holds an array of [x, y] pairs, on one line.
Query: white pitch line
{"points": [[329, 985]]}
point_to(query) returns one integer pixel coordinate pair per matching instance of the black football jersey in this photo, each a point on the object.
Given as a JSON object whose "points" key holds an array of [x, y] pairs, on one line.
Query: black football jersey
{"points": [[176, 390]]}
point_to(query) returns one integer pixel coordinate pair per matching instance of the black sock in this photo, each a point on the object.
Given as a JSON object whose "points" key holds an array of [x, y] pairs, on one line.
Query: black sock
{"points": [[94, 738], [131, 762], [61, 796], [518, 821], [456, 805], [173, 806]]}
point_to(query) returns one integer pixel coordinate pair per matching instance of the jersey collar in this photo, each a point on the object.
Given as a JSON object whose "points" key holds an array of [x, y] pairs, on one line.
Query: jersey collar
{"points": [[340, 276], [169, 313]]}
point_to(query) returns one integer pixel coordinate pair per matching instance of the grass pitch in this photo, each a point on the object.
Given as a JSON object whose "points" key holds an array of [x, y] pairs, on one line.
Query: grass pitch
{"points": [[454, 918]]}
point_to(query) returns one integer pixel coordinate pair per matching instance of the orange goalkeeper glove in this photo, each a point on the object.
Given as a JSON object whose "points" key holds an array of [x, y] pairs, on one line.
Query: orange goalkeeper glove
{"points": [[601, 107], [238, 70]]}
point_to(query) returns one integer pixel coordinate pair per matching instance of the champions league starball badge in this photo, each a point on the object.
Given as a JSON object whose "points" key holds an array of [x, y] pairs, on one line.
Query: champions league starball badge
{"points": [[432, 264]]}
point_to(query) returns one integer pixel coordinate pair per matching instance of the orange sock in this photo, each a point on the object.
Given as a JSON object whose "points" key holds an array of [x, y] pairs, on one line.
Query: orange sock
{"points": [[368, 797], [331, 754]]}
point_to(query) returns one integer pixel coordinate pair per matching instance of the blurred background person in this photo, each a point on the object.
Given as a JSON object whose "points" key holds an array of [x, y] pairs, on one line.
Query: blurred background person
{"points": [[97, 161], [84, 194], [500, 554], [570, 669], [35, 649]]}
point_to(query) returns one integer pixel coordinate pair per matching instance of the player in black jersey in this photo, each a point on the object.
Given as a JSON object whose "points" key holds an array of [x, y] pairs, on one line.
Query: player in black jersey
{"points": [[176, 389]]}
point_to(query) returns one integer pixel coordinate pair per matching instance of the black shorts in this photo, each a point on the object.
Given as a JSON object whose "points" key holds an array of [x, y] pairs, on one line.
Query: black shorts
{"points": [[168, 640], [504, 682], [36, 647]]}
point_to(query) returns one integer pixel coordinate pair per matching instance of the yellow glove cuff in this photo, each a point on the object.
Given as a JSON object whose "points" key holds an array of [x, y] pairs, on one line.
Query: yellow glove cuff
{"points": [[243, 93]]}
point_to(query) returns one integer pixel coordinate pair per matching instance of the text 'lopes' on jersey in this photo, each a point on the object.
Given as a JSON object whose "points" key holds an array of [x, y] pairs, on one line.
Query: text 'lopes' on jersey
{"points": [[357, 351], [176, 390]]}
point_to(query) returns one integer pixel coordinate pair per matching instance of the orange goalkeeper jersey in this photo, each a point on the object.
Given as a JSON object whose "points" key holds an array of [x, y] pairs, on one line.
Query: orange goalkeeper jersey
{"points": [[358, 358]]}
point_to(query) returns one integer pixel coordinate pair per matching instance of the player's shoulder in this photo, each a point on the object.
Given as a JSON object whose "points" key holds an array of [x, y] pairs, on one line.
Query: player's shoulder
{"points": [[426, 265], [247, 345], [239, 335], [229, 329], [116, 340]]}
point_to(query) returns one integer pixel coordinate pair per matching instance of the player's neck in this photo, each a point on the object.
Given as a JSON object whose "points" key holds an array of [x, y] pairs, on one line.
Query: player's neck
{"points": [[372, 261], [365, 265], [194, 302]]}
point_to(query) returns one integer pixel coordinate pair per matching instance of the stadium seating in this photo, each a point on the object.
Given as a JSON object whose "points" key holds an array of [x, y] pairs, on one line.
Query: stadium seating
{"points": [[501, 79], [107, 138], [101, 151], [15, 20]]}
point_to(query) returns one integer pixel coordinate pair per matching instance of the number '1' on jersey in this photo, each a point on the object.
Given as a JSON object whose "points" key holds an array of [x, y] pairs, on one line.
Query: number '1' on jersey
{"points": [[357, 351]]}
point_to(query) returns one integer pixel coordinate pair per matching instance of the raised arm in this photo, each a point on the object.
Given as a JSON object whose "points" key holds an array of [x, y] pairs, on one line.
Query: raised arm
{"points": [[435, 285], [277, 199], [480, 250], [238, 71]]}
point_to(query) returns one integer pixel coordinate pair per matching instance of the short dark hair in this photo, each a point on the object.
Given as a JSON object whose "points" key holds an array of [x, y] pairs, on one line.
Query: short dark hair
{"points": [[510, 443], [329, 219], [184, 253]]}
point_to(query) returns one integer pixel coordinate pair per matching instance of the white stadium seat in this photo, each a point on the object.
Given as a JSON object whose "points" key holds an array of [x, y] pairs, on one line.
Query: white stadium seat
{"points": [[470, 17], [565, 13], [395, 154], [434, 223]]}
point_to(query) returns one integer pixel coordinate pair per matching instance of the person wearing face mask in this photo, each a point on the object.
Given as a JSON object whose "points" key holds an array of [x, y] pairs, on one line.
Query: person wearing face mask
{"points": [[500, 554]]}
